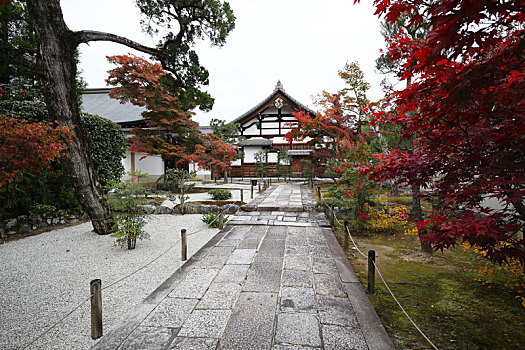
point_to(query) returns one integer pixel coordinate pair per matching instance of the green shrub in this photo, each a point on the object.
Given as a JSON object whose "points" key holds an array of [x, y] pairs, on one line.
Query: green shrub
{"points": [[212, 219], [108, 146], [42, 209], [219, 194], [129, 227]]}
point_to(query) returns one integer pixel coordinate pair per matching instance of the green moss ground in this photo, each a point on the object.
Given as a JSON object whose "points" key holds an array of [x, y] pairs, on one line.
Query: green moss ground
{"points": [[440, 293]]}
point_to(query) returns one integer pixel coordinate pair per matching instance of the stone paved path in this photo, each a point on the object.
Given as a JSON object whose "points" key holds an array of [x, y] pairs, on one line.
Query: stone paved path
{"points": [[273, 278]]}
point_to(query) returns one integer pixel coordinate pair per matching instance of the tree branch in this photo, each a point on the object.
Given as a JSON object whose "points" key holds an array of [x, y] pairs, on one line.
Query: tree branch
{"points": [[91, 35]]}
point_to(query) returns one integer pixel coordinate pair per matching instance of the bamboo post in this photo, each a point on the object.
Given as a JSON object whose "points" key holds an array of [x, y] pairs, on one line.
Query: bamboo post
{"points": [[221, 220], [346, 236], [96, 308], [371, 271], [184, 243]]}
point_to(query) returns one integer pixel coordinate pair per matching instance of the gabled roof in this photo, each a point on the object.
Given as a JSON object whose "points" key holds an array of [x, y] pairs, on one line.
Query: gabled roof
{"points": [[279, 89]]}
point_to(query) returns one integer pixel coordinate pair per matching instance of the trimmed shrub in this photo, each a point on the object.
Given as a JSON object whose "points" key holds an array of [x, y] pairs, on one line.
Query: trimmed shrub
{"points": [[220, 194], [212, 219]]}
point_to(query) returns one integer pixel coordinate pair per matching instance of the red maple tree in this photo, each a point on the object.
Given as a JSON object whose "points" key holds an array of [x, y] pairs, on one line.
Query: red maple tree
{"points": [[465, 112], [28, 146]]}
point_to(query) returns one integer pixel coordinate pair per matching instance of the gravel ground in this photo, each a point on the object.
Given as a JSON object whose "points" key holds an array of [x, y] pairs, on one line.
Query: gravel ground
{"points": [[44, 277]]}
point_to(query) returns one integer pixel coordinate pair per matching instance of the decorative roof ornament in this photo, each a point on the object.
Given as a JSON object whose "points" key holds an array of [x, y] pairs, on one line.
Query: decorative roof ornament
{"points": [[279, 103], [279, 86]]}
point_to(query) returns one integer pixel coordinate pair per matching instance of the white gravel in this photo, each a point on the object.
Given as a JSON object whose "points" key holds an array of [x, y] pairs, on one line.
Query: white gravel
{"points": [[46, 276]]}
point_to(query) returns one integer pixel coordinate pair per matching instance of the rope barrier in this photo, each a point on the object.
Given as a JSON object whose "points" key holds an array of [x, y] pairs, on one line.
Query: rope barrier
{"points": [[114, 283], [382, 279]]}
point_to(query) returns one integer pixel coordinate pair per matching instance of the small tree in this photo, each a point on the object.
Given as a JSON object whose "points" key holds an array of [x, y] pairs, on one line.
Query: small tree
{"points": [[261, 163], [181, 177], [284, 164]]}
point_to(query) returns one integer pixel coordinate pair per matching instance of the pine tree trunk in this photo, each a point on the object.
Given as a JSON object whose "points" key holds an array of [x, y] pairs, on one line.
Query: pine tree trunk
{"points": [[56, 58], [417, 214]]}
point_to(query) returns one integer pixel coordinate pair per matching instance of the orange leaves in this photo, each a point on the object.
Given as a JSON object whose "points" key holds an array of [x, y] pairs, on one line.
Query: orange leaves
{"points": [[28, 146]]}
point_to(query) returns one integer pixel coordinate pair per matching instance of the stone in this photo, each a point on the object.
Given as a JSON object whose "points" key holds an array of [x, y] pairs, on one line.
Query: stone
{"points": [[205, 209], [322, 265], [195, 284], [148, 209], [341, 338], [297, 299], [3, 234], [251, 323], [329, 285], [171, 312], [297, 262], [272, 248], [294, 278], [231, 208], [181, 343], [24, 228], [164, 210], [336, 311], [204, 323], [232, 273], [264, 275], [298, 329], [249, 207], [220, 296], [148, 338], [10, 224], [241, 257]]}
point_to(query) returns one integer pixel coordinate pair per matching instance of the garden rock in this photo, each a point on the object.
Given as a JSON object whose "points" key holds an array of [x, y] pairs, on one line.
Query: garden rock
{"points": [[10, 224], [164, 210], [24, 228], [230, 208], [148, 209], [249, 207], [205, 209]]}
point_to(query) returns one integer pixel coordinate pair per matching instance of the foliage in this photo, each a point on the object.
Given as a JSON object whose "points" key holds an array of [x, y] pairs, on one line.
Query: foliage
{"points": [[284, 163], [464, 111], [181, 178], [42, 209], [108, 146], [212, 219], [390, 218], [228, 132], [261, 163], [128, 219], [214, 153], [220, 194], [29, 146]]}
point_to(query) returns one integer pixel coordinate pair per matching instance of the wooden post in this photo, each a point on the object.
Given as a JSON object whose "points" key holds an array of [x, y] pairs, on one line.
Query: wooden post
{"points": [[242, 195], [184, 252], [319, 192], [346, 236], [96, 308], [371, 271], [259, 186], [332, 217], [221, 220], [252, 191]]}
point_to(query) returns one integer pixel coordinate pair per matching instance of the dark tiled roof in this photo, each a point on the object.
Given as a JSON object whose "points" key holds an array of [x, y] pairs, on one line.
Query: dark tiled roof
{"points": [[278, 88], [255, 142], [97, 101]]}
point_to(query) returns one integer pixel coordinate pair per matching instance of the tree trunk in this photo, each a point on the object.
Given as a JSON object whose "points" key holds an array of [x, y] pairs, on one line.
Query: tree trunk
{"points": [[225, 176], [56, 57], [417, 214]]}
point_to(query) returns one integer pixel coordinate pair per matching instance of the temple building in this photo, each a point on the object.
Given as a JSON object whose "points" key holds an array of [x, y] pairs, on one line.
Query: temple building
{"points": [[264, 128]]}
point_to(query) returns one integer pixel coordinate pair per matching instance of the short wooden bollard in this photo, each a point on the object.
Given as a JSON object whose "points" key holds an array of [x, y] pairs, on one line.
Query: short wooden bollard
{"points": [[332, 216], [371, 271], [242, 195], [221, 220], [96, 308], [319, 192], [252, 192], [184, 243], [259, 187], [346, 236]]}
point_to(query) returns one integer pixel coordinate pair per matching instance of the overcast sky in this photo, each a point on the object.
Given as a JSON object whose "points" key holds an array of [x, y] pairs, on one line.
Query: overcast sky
{"points": [[303, 43]]}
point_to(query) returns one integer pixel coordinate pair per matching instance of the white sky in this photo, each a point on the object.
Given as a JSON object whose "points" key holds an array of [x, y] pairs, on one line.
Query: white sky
{"points": [[303, 43]]}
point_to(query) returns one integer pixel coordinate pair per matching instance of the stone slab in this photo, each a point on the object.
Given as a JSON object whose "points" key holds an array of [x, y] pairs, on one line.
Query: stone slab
{"points": [[182, 343], [298, 329], [171, 312], [148, 338], [271, 248], [277, 232], [264, 275], [220, 296], [297, 299], [292, 347], [295, 278], [322, 265], [343, 338], [329, 285], [336, 311], [251, 323], [195, 284], [297, 262], [232, 273], [204, 323], [297, 250], [241, 257]]}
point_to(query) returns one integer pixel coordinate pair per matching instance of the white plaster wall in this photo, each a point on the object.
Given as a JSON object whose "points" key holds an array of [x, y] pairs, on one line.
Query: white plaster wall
{"points": [[272, 157], [249, 154], [252, 130], [153, 165], [126, 162], [237, 162]]}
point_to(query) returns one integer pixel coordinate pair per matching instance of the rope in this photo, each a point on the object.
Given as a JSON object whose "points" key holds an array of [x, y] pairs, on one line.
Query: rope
{"points": [[384, 282], [112, 284]]}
